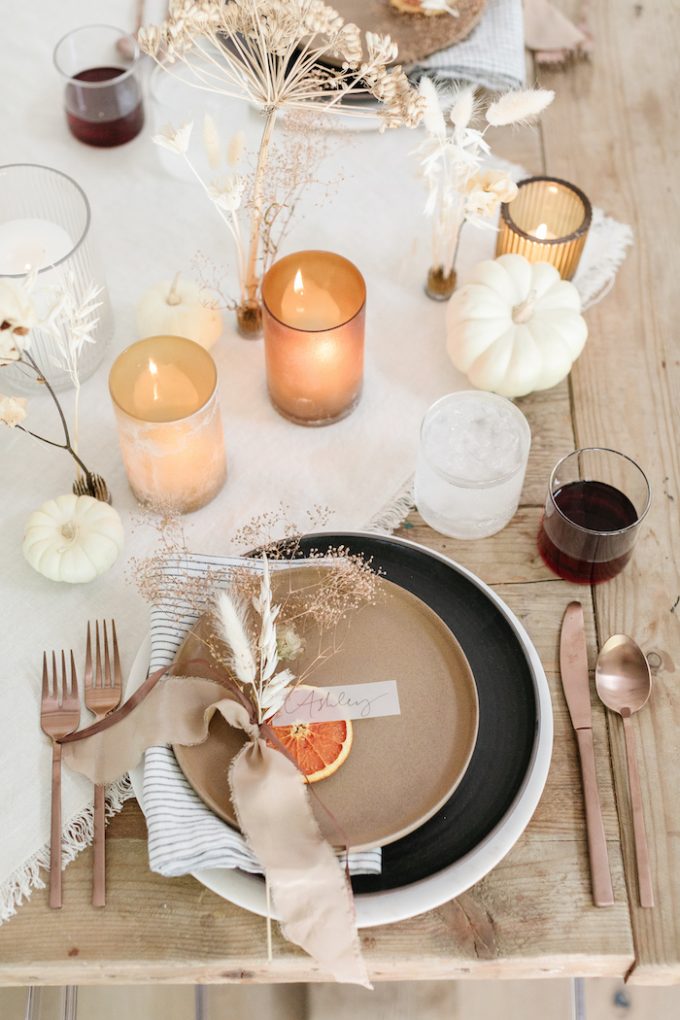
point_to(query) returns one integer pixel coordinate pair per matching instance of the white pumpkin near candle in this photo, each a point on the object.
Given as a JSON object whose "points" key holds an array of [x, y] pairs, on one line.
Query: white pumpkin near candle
{"points": [[515, 327], [179, 307], [73, 538]]}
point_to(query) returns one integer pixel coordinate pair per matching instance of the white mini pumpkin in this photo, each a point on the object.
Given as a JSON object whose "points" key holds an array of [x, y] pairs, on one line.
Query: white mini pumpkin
{"points": [[179, 308], [73, 538], [515, 327]]}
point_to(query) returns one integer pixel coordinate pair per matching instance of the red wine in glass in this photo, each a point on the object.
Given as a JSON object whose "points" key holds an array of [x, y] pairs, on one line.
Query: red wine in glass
{"points": [[587, 535], [110, 114]]}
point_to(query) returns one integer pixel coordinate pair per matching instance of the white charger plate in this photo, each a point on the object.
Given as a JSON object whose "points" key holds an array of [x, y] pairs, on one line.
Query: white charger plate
{"points": [[398, 904]]}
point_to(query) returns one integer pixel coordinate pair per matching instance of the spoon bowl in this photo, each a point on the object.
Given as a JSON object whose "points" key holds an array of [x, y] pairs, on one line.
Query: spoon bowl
{"points": [[622, 676]]}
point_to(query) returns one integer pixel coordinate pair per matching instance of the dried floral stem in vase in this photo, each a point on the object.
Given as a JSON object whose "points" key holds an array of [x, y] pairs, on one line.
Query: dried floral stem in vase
{"points": [[275, 54], [451, 157], [70, 324]]}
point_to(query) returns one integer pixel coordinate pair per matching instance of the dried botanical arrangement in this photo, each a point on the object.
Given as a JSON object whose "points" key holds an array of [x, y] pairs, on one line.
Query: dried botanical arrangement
{"points": [[459, 189], [275, 54], [70, 323]]}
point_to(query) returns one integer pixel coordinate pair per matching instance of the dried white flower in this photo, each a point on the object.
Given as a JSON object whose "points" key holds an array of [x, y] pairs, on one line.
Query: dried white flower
{"points": [[462, 107], [12, 410], [17, 318], [519, 107], [437, 6], [230, 615], [289, 644], [486, 190], [227, 192], [433, 116], [211, 141], [175, 139]]}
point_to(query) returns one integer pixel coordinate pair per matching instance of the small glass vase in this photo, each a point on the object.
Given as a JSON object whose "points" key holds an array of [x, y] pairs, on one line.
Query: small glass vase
{"points": [[249, 319], [440, 284]]}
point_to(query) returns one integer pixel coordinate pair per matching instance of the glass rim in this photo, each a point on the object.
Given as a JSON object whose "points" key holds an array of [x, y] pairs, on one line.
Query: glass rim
{"points": [[464, 483], [584, 226], [325, 329], [594, 531], [125, 73], [168, 421], [88, 217]]}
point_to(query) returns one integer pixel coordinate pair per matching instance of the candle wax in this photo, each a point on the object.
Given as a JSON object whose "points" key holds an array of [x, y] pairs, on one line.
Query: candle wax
{"points": [[31, 244]]}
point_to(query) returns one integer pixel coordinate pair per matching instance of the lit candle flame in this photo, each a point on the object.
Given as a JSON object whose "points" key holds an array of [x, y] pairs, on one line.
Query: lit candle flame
{"points": [[541, 231], [298, 285], [153, 371]]}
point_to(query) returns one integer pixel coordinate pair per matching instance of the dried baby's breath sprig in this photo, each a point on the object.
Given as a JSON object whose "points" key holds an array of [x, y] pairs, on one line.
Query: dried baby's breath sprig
{"points": [[279, 54]]}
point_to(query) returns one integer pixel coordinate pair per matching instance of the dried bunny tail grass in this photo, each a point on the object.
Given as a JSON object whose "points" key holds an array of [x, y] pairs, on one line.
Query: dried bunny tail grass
{"points": [[230, 617], [462, 107], [433, 116], [211, 141], [235, 148], [519, 107]]}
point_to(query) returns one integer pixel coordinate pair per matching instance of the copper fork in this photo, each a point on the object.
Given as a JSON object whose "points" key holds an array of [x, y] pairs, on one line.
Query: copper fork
{"points": [[59, 716], [103, 691]]}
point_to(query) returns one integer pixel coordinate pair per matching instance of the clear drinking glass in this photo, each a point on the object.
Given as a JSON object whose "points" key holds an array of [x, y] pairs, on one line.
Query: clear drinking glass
{"points": [[597, 499], [45, 227], [472, 458], [103, 90]]}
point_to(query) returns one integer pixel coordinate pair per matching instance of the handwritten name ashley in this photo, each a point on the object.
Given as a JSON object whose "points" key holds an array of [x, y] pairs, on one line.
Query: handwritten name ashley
{"points": [[346, 701]]}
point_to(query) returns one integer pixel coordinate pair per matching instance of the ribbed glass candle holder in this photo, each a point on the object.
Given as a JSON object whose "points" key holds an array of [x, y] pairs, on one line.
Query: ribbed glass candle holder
{"points": [[548, 221]]}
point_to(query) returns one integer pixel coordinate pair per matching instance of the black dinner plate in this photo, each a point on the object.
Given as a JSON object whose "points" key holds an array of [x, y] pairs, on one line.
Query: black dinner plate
{"points": [[507, 708]]}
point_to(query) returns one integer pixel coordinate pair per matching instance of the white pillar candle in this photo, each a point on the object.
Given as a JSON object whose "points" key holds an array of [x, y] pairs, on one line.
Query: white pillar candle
{"points": [[31, 244]]}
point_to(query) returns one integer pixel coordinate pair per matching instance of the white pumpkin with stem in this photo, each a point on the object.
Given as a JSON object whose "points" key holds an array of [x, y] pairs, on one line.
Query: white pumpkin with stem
{"points": [[73, 538], [179, 308], [515, 327]]}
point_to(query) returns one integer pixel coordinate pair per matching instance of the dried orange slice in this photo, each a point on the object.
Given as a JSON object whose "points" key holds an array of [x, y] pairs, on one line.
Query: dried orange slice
{"points": [[319, 748]]}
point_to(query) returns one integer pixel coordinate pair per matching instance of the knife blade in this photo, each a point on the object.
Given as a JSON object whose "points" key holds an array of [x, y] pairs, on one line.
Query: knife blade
{"points": [[576, 686]]}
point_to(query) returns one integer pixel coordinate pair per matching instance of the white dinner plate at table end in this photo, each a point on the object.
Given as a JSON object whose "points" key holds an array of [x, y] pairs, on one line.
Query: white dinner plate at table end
{"points": [[393, 905]]}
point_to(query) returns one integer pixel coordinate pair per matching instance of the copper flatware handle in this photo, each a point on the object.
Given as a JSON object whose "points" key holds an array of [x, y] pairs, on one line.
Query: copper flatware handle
{"points": [[644, 870], [603, 894], [99, 870], [55, 828]]}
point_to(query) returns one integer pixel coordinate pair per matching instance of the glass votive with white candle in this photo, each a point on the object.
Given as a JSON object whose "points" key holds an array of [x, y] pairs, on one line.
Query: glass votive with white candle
{"points": [[165, 395], [472, 458], [314, 306], [548, 221], [45, 229]]}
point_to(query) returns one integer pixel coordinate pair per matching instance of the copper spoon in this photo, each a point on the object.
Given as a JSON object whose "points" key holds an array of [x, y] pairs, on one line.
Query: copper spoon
{"points": [[624, 684]]}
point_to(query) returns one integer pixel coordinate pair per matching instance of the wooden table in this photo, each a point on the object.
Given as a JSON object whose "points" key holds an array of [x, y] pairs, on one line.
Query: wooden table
{"points": [[613, 129]]}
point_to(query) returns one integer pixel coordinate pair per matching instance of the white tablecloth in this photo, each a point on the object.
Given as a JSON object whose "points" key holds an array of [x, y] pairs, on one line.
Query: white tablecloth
{"points": [[148, 225]]}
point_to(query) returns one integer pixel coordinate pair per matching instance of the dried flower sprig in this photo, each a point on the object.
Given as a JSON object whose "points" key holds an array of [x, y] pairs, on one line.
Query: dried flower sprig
{"points": [[451, 156], [70, 323], [279, 54]]}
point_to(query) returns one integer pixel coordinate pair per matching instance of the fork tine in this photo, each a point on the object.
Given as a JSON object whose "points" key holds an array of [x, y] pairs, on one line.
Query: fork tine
{"points": [[98, 656], [55, 685], [117, 673], [107, 660], [45, 680], [73, 692], [87, 679], [64, 683]]}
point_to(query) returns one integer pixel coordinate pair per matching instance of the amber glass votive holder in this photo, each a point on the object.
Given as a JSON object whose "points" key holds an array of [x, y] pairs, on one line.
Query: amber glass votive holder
{"points": [[164, 392], [314, 307], [548, 221]]}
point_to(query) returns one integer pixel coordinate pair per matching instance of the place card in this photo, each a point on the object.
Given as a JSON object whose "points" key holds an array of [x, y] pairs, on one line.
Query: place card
{"points": [[345, 701]]}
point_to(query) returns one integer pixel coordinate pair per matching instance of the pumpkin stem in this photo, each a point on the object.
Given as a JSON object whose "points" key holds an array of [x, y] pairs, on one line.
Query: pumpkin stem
{"points": [[68, 531], [173, 297], [525, 309]]}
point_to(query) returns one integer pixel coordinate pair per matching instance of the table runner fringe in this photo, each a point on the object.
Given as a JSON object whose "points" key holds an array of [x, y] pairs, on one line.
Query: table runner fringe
{"points": [[396, 512], [77, 835]]}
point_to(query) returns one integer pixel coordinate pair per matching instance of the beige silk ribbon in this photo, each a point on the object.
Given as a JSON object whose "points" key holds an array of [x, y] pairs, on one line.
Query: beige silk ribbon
{"points": [[311, 893]]}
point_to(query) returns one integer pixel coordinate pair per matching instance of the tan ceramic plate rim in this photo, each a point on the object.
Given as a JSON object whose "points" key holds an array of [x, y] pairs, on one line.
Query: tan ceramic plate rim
{"points": [[466, 678]]}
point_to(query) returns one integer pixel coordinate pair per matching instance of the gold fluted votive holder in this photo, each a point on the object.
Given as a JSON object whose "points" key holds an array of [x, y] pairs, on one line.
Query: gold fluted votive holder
{"points": [[548, 221], [165, 395], [314, 307]]}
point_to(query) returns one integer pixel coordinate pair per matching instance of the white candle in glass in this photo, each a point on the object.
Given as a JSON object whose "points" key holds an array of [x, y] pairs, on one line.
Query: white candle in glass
{"points": [[31, 244]]}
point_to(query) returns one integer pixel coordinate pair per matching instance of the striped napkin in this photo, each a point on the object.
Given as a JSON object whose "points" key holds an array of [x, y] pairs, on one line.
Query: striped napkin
{"points": [[491, 56], [184, 834]]}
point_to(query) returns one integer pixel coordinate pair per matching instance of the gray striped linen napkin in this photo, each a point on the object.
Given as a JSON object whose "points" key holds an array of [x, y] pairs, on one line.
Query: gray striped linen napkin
{"points": [[184, 834], [492, 55]]}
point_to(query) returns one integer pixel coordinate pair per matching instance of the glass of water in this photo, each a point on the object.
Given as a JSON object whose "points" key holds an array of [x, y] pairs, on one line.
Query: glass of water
{"points": [[472, 458]]}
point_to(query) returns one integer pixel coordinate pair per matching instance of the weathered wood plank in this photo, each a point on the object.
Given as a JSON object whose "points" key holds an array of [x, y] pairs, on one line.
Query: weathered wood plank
{"points": [[626, 391]]}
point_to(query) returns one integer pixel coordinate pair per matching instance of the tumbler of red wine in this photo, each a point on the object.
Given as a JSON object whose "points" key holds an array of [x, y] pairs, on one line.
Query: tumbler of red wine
{"points": [[103, 93], [597, 499]]}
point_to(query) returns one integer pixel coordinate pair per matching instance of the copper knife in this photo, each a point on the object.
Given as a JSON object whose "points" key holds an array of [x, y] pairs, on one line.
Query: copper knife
{"points": [[574, 670]]}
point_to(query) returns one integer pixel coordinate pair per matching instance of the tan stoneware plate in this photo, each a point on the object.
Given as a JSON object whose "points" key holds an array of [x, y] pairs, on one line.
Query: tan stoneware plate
{"points": [[401, 769], [417, 35]]}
